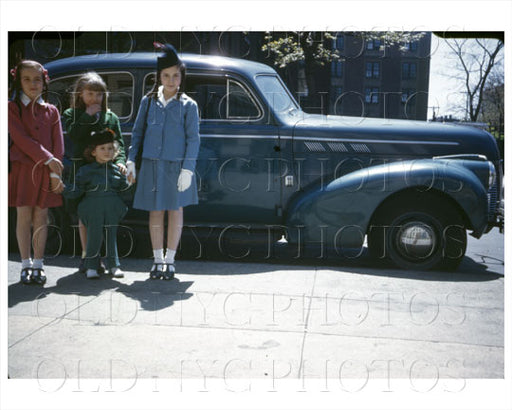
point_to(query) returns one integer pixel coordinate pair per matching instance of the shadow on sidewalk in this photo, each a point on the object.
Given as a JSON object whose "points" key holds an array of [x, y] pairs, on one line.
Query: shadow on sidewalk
{"points": [[151, 294]]}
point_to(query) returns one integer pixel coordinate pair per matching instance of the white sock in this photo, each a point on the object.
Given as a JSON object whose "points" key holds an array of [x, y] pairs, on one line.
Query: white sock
{"points": [[158, 255], [37, 264], [84, 254], [169, 256], [26, 263]]}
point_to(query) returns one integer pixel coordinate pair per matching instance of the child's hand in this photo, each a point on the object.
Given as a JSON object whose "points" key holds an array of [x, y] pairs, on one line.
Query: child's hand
{"points": [[131, 176], [56, 166], [184, 180], [56, 184], [122, 168], [93, 109]]}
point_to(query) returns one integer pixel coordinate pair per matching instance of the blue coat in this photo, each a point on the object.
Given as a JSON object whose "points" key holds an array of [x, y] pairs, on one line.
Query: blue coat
{"points": [[172, 132]]}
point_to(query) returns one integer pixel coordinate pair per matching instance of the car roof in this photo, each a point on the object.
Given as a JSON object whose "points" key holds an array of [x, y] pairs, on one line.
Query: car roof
{"points": [[148, 60]]}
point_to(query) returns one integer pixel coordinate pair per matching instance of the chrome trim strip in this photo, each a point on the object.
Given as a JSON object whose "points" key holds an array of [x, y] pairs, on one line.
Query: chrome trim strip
{"points": [[327, 139]]}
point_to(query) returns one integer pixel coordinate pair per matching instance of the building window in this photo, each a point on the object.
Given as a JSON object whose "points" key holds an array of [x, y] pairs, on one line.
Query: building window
{"points": [[372, 70], [373, 44], [337, 68], [407, 95], [408, 71], [339, 42], [411, 46], [371, 95]]}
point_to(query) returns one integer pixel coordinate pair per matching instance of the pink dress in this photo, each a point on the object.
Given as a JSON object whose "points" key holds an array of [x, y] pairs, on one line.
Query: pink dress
{"points": [[36, 136]]}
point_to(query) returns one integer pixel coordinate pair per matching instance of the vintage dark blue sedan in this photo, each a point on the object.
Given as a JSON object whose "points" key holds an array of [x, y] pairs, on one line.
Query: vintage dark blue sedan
{"points": [[411, 189]]}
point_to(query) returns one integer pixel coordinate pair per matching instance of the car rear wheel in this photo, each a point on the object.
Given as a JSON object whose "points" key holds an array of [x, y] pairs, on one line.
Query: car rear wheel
{"points": [[419, 236]]}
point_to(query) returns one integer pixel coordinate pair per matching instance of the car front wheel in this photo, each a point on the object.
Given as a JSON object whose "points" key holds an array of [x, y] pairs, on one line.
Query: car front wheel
{"points": [[419, 237]]}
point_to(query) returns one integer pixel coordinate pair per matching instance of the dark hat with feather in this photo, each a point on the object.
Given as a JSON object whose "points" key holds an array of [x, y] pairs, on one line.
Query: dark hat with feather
{"points": [[101, 137], [169, 57]]}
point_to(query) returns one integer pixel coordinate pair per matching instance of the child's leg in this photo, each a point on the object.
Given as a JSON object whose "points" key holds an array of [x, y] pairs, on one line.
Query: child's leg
{"points": [[156, 229], [94, 242], [113, 264], [23, 230], [82, 232], [156, 232], [174, 230], [111, 247], [40, 224], [23, 235]]}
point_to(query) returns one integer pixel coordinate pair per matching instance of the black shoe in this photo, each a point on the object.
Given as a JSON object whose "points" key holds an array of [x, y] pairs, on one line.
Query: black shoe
{"points": [[26, 276], [101, 267], [81, 266], [169, 272], [155, 272], [38, 276]]}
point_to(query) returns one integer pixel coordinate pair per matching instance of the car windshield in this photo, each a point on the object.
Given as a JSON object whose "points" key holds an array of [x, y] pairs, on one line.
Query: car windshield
{"points": [[277, 95]]}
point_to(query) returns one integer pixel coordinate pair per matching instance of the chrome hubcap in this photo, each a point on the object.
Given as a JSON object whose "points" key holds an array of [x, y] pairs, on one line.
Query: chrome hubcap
{"points": [[416, 240]]}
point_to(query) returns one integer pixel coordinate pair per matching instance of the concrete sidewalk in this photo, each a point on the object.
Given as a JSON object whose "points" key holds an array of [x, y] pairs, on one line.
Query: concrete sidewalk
{"points": [[224, 320]]}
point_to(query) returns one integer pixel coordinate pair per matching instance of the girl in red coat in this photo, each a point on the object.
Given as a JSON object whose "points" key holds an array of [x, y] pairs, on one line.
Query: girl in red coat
{"points": [[35, 156]]}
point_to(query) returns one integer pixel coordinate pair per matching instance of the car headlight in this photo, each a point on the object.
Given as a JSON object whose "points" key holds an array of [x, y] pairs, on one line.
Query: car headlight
{"points": [[492, 174]]}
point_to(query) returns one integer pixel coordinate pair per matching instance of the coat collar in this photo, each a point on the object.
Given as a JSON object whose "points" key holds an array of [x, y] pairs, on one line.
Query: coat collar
{"points": [[25, 100], [161, 97]]}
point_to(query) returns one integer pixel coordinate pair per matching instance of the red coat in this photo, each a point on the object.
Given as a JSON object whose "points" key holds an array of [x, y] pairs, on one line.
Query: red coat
{"points": [[36, 136]]}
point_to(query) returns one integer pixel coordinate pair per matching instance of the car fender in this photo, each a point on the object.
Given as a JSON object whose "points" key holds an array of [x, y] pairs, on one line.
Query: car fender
{"points": [[342, 210]]}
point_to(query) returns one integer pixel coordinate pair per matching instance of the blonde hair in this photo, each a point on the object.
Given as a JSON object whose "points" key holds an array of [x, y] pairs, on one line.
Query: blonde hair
{"points": [[90, 81]]}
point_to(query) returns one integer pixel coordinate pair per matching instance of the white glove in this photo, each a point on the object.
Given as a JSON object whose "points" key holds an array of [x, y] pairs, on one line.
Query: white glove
{"points": [[131, 173], [185, 180]]}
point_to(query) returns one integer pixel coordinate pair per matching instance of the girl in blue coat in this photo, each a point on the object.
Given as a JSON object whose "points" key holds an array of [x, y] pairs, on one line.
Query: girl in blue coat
{"points": [[167, 132]]}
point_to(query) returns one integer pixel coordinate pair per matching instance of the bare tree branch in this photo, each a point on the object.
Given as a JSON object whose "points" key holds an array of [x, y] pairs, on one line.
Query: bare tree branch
{"points": [[476, 58]]}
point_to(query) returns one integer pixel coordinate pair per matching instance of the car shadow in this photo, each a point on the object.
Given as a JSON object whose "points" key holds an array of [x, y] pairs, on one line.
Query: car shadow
{"points": [[258, 261]]}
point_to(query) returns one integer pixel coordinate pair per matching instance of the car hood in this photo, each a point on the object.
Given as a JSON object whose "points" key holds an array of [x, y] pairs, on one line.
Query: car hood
{"points": [[428, 137]]}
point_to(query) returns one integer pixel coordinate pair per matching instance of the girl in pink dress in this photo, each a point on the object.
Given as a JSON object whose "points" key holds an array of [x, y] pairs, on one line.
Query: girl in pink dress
{"points": [[35, 155]]}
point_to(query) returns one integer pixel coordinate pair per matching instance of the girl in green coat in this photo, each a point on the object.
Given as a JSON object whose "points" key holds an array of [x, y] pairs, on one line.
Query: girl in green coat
{"points": [[89, 113], [99, 185]]}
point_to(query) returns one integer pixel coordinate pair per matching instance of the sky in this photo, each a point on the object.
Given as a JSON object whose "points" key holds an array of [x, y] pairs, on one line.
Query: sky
{"points": [[446, 94]]}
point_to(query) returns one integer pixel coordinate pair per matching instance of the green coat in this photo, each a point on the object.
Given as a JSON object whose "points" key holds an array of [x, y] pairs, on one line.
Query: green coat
{"points": [[99, 188], [79, 125]]}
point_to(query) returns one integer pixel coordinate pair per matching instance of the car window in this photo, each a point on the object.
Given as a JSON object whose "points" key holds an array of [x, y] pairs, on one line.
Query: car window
{"points": [[119, 85], [149, 82], [218, 97], [240, 104], [276, 94]]}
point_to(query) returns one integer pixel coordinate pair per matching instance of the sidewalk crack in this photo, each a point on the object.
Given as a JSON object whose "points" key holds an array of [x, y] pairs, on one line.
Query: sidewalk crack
{"points": [[306, 323]]}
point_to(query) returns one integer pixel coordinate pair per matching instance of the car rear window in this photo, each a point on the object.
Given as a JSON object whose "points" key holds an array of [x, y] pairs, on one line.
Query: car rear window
{"points": [[120, 87]]}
